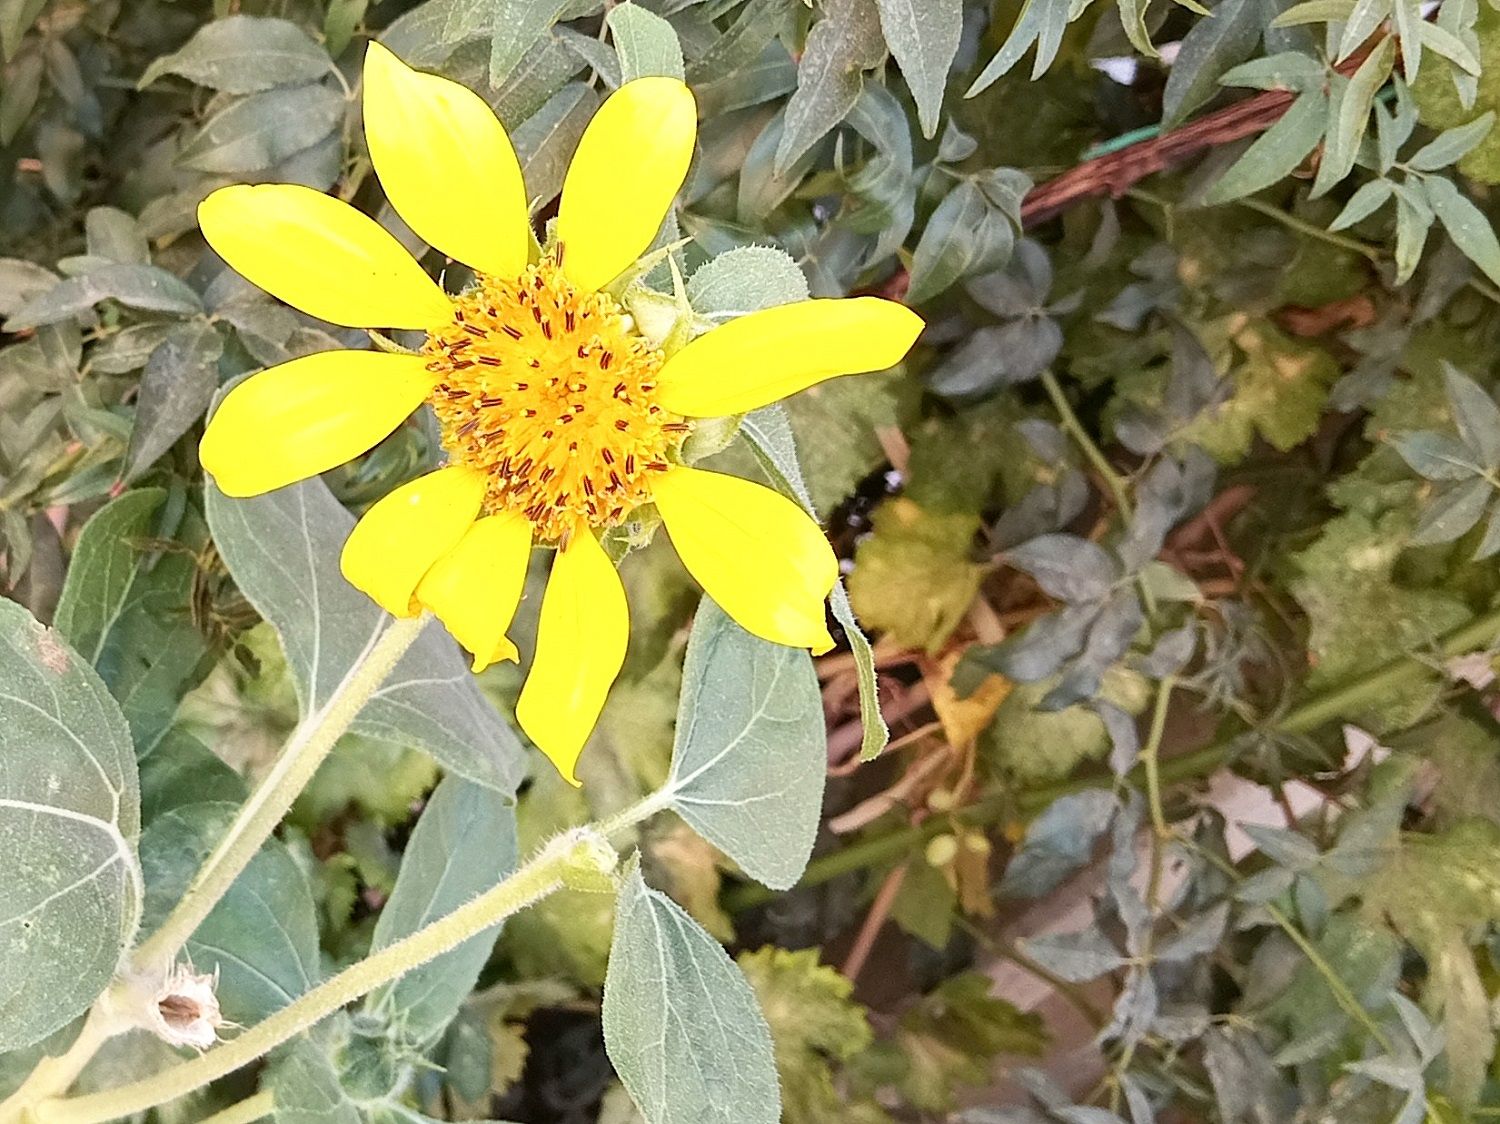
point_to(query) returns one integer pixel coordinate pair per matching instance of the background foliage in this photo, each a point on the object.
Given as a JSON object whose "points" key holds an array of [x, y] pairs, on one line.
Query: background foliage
{"points": [[1176, 535]]}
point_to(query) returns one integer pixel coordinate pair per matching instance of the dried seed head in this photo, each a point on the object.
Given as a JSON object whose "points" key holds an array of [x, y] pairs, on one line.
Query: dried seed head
{"points": [[185, 1009]]}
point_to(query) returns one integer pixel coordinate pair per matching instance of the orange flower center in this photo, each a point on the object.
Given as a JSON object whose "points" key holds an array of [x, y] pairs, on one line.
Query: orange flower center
{"points": [[550, 392]]}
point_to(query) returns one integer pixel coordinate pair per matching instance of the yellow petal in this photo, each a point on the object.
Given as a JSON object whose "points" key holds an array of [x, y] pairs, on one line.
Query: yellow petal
{"points": [[307, 416], [757, 359], [629, 165], [319, 254], [474, 588], [446, 165], [580, 647], [756, 553], [391, 549]]}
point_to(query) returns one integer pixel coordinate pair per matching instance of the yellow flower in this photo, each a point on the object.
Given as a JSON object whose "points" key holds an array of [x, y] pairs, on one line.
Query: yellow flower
{"points": [[559, 419]]}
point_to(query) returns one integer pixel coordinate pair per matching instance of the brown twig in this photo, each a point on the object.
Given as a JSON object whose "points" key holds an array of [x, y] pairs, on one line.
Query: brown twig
{"points": [[1115, 173], [880, 910]]}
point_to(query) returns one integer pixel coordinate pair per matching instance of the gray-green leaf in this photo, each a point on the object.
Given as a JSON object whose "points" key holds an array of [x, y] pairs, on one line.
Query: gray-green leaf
{"points": [[1475, 414], [244, 55], [1466, 224], [70, 895], [1451, 145], [924, 36], [770, 435], [264, 129], [745, 279], [1452, 513], [515, 25], [1276, 152], [464, 844], [680, 1022], [282, 549], [176, 388], [145, 287], [1210, 48], [751, 751], [645, 42], [261, 938], [840, 48]]}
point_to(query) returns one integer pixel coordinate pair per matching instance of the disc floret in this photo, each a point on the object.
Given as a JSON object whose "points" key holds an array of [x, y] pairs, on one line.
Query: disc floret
{"points": [[551, 393]]}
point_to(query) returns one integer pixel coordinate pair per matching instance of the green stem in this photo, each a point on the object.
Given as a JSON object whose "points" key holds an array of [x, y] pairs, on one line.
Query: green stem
{"points": [[1311, 230], [580, 850], [257, 818], [1302, 719], [271, 801], [1150, 755], [1075, 429], [251, 1108]]}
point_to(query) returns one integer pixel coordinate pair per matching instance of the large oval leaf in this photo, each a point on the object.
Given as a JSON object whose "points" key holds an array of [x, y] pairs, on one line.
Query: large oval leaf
{"points": [[680, 1022], [464, 844], [70, 884], [283, 550], [751, 754]]}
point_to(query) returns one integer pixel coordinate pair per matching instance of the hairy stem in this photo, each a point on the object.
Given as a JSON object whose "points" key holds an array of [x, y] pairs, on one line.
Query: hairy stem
{"points": [[257, 818], [581, 851], [251, 1108], [299, 760]]}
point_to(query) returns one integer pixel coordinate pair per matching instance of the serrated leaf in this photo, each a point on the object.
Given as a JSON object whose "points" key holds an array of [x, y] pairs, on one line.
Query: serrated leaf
{"points": [[751, 752], [1058, 843], [1076, 957], [282, 549], [842, 45], [261, 939], [746, 279], [244, 55], [176, 388], [1452, 513], [1067, 567], [264, 129], [69, 821], [464, 844], [144, 287], [924, 36], [1276, 153], [681, 1024], [645, 42]]}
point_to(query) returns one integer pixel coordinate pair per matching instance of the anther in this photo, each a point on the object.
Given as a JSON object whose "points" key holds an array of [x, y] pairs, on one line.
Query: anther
{"points": [[568, 319], [513, 333], [547, 328]]}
